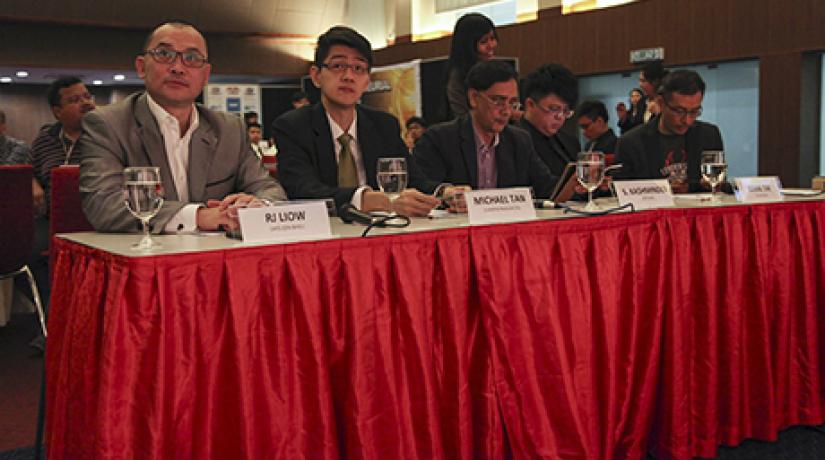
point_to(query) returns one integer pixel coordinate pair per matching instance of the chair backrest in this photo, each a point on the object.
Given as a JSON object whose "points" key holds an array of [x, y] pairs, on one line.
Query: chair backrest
{"points": [[17, 217], [65, 209]]}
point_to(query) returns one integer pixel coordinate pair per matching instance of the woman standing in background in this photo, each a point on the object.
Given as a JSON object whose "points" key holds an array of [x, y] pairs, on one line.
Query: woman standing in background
{"points": [[474, 39], [628, 119]]}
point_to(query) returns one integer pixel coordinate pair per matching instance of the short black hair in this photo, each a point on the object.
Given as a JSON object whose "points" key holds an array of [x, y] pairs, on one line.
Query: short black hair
{"points": [[552, 79], [415, 120], [485, 74], [253, 125], [298, 95], [248, 115], [53, 93], [685, 82], [342, 35], [592, 110], [180, 23], [654, 72]]}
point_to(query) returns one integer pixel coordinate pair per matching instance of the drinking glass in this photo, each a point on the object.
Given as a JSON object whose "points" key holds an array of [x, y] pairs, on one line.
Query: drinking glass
{"points": [[392, 177], [713, 168], [143, 197], [590, 173]]}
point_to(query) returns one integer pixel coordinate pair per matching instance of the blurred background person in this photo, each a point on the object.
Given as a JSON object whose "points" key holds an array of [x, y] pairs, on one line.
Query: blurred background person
{"points": [[634, 116], [254, 133], [299, 99], [474, 39], [592, 119], [650, 77], [415, 129], [250, 117]]}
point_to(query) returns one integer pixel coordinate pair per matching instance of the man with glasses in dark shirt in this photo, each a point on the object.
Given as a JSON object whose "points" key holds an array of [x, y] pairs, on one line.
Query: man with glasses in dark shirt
{"points": [[670, 145], [206, 166], [482, 150], [551, 91], [331, 149]]}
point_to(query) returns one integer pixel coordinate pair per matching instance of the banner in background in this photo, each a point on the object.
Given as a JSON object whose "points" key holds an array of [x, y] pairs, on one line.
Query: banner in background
{"points": [[236, 99], [396, 89]]}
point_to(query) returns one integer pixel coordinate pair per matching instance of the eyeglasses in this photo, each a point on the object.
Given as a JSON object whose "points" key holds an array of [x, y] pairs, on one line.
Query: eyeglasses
{"points": [[189, 58], [556, 110], [78, 98], [501, 102], [682, 113], [341, 68]]}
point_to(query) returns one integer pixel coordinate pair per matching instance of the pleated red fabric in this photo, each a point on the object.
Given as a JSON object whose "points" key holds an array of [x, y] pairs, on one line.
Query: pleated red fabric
{"points": [[671, 331]]}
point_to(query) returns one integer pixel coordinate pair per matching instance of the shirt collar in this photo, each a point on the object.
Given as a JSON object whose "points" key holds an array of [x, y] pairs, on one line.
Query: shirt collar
{"points": [[337, 130], [165, 118], [480, 143]]}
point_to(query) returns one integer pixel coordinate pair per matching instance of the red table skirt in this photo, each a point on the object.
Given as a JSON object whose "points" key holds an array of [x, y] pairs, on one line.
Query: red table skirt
{"points": [[668, 331]]}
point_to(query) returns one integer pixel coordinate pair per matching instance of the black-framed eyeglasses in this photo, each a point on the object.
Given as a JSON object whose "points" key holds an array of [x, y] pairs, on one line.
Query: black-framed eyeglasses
{"points": [[189, 58], [341, 67], [682, 113], [78, 98], [556, 110], [501, 102]]}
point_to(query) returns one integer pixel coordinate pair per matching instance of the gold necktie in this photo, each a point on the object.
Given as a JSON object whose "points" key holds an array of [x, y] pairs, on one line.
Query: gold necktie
{"points": [[347, 174]]}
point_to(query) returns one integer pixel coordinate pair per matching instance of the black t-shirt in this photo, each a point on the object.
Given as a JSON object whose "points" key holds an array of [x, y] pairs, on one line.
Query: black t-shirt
{"points": [[673, 159]]}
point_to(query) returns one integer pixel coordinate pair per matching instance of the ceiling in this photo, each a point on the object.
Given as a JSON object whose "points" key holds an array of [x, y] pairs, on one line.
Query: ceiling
{"points": [[286, 18]]}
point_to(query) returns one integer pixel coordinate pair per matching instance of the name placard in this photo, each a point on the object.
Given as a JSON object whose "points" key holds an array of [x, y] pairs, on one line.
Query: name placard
{"points": [[288, 222], [758, 189], [644, 194], [499, 205]]}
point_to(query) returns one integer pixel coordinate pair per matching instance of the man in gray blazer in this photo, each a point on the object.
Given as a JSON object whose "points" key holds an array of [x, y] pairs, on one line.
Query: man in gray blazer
{"points": [[207, 169]]}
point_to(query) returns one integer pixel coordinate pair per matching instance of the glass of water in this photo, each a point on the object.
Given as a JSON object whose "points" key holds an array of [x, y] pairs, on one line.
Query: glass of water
{"points": [[392, 177], [143, 197], [713, 168], [590, 174]]}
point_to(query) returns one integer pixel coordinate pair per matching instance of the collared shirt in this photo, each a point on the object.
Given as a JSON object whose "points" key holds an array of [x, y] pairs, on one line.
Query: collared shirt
{"points": [[486, 161], [177, 153], [355, 150]]}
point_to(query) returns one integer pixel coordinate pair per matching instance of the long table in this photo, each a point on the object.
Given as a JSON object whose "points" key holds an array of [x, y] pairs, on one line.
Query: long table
{"points": [[670, 331]]}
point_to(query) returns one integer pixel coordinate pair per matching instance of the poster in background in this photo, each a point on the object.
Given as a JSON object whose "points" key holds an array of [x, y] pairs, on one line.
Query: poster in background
{"points": [[236, 99], [396, 89]]}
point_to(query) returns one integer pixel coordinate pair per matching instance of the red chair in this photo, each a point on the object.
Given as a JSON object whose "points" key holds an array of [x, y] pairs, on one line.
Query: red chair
{"points": [[16, 239], [65, 209]]}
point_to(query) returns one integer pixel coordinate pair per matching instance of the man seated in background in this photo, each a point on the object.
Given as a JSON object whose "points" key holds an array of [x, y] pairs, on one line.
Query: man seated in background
{"points": [[670, 145], [299, 99], [482, 150], [592, 119], [16, 152], [415, 129], [550, 93], [54, 145], [253, 132], [331, 149], [203, 155]]}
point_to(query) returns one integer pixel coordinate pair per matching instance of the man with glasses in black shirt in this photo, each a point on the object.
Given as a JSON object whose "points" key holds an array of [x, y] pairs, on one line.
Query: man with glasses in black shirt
{"points": [[482, 150], [551, 91], [206, 166], [670, 145]]}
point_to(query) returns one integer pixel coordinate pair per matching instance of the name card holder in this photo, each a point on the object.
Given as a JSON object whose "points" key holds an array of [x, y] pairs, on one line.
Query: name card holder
{"points": [[644, 194], [499, 205], [303, 221], [763, 189]]}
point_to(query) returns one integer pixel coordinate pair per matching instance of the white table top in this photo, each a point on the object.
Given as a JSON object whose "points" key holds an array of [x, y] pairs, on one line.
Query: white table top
{"points": [[120, 243]]}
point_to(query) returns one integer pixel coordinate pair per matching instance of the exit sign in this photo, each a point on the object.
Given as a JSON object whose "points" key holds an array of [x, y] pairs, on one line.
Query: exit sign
{"points": [[647, 54]]}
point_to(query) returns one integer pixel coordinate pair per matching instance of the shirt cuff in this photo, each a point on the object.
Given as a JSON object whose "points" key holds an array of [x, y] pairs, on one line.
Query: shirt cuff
{"points": [[359, 193], [185, 221]]}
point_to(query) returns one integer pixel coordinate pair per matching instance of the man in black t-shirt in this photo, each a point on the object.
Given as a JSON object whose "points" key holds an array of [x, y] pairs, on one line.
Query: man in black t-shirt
{"points": [[670, 145], [592, 119]]}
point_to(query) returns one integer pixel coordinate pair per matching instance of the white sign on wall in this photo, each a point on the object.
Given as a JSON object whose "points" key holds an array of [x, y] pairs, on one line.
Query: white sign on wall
{"points": [[237, 99]]}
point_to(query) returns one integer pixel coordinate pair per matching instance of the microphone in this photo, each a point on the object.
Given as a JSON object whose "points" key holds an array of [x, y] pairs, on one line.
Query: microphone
{"points": [[349, 213], [545, 204]]}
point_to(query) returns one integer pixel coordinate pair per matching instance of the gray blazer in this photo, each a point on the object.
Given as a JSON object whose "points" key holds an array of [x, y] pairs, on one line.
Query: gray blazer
{"points": [[126, 134]]}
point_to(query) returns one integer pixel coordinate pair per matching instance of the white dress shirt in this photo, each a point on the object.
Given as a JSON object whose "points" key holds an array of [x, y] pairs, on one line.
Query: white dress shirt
{"points": [[355, 149], [177, 153]]}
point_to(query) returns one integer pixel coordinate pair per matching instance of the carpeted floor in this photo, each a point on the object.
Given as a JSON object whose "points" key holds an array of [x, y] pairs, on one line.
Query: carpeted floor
{"points": [[20, 384]]}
